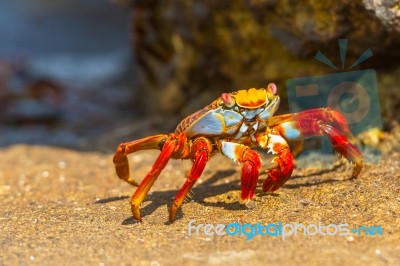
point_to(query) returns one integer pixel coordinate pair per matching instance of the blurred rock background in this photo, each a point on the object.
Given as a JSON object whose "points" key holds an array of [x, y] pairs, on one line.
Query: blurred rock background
{"points": [[190, 51], [88, 74], [63, 70]]}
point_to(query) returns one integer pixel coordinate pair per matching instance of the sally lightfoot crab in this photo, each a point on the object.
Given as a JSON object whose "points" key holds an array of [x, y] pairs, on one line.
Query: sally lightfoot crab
{"points": [[232, 125]]}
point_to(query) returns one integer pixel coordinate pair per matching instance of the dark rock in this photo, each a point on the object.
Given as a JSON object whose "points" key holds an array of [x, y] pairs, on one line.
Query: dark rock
{"points": [[188, 52]]}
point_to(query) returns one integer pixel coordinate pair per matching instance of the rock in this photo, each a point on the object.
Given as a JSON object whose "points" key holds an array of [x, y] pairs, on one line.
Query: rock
{"points": [[33, 111], [387, 11], [188, 52]]}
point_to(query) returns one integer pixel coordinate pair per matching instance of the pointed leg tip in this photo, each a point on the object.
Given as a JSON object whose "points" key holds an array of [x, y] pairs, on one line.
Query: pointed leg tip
{"points": [[136, 212], [357, 169], [171, 217], [172, 212]]}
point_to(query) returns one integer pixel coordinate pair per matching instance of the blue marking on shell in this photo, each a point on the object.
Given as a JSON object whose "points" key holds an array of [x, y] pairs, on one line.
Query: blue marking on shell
{"points": [[215, 122], [249, 114], [289, 131], [239, 135], [242, 129], [231, 130], [255, 126], [270, 109], [231, 118]]}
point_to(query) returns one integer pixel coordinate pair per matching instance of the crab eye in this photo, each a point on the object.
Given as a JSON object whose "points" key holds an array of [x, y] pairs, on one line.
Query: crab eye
{"points": [[227, 99], [272, 88]]}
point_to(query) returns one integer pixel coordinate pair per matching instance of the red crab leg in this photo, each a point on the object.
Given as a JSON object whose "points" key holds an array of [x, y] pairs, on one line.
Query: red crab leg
{"points": [[280, 173], [251, 163], [324, 114], [174, 145], [303, 128], [148, 181], [200, 154], [121, 160], [297, 147]]}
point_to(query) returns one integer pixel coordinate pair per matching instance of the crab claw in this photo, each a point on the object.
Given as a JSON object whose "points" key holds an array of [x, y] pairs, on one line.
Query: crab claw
{"points": [[251, 162], [248, 181], [136, 212], [278, 177]]}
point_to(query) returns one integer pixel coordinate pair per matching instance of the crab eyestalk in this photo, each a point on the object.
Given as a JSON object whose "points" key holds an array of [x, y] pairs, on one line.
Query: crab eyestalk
{"points": [[272, 88], [228, 100]]}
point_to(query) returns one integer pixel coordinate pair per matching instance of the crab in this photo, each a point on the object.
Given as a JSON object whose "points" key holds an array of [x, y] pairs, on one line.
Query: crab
{"points": [[232, 125]]}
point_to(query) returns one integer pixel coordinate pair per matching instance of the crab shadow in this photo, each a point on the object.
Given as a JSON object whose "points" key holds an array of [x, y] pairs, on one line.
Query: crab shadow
{"points": [[210, 188], [317, 173]]}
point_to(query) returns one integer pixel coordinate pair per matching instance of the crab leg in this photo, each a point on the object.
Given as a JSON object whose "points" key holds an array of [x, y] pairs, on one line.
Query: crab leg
{"points": [[251, 163], [121, 160], [303, 128], [323, 114], [201, 151], [280, 173], [297, 147], [148, 181], [173, 145]]}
